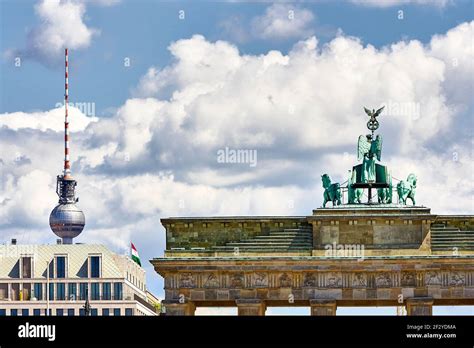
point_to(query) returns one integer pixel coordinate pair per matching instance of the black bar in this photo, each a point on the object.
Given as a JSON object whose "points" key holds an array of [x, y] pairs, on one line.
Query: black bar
{"points": [[210, 331]]}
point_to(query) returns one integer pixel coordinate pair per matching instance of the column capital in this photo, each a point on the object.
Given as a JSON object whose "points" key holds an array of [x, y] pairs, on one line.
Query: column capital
{"points": [[176, 307], [323, 306], [247, 306], [419, 306]]}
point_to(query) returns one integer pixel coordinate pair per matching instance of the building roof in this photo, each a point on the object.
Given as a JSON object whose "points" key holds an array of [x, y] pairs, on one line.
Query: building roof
{"points": [[231, 218], [113, 265]]}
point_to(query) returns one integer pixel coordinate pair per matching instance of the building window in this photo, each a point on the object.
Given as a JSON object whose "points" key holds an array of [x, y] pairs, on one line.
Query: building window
{"points": [[59, 312], [60, 266], [13, 312], [94, 312], [51, 291], [25, 312], [50, 312], [70, 312], [83, 291], [72, 291], [128, 311], [50, 270], [37, 312], [38, 291], [82, 313], [25, 293], [26, 267], [60, 291], [105, 312], [3, 312], [116, 311], [118, 291], [95, 266], [106, 291], [15, 292], [3, 291], [95, 295]]}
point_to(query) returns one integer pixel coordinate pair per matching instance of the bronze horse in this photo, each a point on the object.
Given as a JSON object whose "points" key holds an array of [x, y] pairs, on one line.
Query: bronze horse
{"points": [[332, 192]]}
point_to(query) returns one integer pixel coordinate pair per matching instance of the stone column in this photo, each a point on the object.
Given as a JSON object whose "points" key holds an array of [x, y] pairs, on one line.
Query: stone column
{"points": [[178, 308], [420, 306], [323, 307], [251, 307]]}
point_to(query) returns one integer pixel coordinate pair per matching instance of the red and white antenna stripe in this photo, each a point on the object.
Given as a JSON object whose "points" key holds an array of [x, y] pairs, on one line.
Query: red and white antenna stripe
{"points": [[67, 166]]}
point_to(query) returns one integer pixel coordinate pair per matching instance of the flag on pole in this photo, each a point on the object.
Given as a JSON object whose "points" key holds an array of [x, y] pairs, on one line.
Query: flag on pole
{"points": [[135, 256]]}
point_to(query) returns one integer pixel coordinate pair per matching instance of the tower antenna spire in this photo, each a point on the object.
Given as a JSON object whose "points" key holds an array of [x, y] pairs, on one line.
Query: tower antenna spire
{"points": [[66, 220], [67, 165]]}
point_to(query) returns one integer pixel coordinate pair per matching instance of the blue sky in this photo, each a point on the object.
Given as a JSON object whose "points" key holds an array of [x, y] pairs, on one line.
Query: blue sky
{"points": [[142, 30], [230, 74]]}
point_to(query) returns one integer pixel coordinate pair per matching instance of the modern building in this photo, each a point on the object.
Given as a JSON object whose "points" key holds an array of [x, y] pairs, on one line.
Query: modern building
{"points": [[37, 279], [58, 279]]}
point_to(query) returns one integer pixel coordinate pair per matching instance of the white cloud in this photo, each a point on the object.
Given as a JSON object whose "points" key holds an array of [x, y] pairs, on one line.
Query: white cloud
{"points": [[62, 25], [391, 3], [52, 119], [102, 2], [157, 153], [196, 59], [283, 21], [235, 27], [25, 201], [294, 102], [455, 49], [221, 98]]}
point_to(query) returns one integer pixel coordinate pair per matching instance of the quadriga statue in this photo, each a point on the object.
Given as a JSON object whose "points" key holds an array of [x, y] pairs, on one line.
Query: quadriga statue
{"points": [[407, 189], [332, 192], [354, 194], [384, 195]]}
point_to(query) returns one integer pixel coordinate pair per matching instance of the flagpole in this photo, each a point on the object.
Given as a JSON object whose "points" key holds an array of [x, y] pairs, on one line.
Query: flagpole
{"points": [[47, 288]]}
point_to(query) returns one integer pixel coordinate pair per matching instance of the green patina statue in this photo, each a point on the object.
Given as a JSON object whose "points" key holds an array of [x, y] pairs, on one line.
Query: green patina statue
{"points": [[367, 150], [354, 194], [384, 194], [407, 189], [370, 175], [332, 192]]}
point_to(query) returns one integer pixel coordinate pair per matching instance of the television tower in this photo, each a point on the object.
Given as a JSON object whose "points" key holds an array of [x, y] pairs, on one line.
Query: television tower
{"points": [[66, 220]]}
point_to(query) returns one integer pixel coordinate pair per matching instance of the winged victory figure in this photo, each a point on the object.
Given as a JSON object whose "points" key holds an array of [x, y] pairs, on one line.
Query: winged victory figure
{"points": [[367, 150]]}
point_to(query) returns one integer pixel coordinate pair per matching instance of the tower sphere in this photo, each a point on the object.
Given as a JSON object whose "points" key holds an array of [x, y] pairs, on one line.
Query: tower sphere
{"points": [[67, 221]]}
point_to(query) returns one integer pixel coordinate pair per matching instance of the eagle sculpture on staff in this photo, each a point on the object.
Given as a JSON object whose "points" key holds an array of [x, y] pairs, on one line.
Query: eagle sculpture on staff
{"points": [[373, 124]]}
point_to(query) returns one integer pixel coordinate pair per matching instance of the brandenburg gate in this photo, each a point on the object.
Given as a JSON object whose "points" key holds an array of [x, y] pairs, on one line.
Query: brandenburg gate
{"points": [[382, 252]]}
